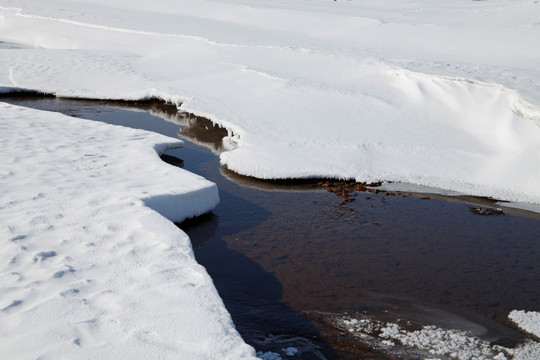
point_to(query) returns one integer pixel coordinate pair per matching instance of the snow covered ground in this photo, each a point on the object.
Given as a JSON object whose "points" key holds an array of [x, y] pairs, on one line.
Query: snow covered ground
{"points": [[441, 94], [89, 270]]}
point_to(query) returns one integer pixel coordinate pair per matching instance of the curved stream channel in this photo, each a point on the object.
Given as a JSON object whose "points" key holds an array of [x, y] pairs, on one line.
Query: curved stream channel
{"points": [[287, 258]]}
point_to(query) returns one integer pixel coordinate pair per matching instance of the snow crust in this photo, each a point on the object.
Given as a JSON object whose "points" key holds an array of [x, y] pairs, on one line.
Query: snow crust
{"points": [[431, 342], [528, 321], [89, 270], [440, 94]]}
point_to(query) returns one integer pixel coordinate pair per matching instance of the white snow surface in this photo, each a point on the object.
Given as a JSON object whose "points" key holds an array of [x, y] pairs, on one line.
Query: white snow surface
{"points": [[431, 341], [528, 321], [435, 93], [443, 94], [89, 269]]}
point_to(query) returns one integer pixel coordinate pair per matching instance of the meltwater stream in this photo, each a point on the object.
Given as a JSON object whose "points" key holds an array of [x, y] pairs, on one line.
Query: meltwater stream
{"points": [[287, 259]]}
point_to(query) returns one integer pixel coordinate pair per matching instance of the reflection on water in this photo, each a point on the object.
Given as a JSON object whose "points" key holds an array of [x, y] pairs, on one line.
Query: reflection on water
{"points": [[271, 247], [251, 294], [199, 130]]}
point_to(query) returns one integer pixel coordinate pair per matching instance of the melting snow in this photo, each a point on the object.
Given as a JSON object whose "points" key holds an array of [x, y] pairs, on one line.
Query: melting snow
{"points": [[431, 341]]}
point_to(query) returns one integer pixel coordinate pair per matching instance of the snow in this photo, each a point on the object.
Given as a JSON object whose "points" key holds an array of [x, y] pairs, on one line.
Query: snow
{"points": [[438, 95], [431, 341], [528, 321], [89, 269], [440, 342]]}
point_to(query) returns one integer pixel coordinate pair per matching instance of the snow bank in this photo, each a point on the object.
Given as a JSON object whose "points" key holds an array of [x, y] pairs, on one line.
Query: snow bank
{"points": [[434, 94], [88, 271], [528, 321]]}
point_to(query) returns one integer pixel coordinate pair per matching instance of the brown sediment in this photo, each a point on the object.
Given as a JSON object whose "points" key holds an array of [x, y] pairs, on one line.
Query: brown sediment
{"points": [[516, 326], [350, 189], [347, 347], [344, 250]]}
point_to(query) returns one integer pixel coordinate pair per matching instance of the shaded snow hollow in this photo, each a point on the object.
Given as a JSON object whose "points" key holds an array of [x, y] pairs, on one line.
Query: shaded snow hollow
{"points": [[89, 271]]}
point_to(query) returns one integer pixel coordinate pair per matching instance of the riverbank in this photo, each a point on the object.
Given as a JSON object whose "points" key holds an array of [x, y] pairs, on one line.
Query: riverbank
{"points": [[310, 255], [90, 268], [454, 115]]}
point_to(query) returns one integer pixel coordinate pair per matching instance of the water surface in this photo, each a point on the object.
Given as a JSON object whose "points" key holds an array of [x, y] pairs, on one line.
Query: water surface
{"points": [[284, 254]]}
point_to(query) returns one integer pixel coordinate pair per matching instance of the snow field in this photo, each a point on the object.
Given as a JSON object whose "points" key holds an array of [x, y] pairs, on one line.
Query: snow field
{"points": [[439, 94], [407, 92], [90, 270]]}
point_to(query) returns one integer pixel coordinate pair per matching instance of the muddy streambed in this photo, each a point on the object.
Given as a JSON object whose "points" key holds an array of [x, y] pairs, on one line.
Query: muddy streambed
{"points": [[288, 257]]}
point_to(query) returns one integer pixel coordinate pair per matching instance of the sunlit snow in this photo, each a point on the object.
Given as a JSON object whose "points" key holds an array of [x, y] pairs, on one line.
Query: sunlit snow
{"points": [[438, 94], [528, 321], [442, 94], [88, 270]]}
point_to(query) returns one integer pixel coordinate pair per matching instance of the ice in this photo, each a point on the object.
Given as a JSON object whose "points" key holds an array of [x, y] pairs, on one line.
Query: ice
{"points": [[439, 95], [269, 355], [290, 351], [89, 270]]}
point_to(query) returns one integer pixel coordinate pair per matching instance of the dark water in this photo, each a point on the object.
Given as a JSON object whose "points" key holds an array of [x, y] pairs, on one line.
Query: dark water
{"points": [[283, 255]]}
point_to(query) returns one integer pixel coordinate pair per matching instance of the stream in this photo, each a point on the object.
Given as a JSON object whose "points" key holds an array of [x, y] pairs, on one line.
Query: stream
{"points": [[287, 257]]}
